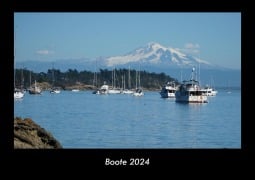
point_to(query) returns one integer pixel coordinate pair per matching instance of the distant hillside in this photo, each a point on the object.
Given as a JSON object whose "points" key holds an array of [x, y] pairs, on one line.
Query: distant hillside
{"points": [[73, 77]]}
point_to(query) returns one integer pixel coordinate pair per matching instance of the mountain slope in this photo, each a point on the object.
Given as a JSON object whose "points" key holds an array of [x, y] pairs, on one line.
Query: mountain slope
{"points": [[156, 54]]}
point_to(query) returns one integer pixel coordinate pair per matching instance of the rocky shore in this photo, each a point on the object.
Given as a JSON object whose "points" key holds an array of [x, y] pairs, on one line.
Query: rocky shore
{"points": [[29, 135]]}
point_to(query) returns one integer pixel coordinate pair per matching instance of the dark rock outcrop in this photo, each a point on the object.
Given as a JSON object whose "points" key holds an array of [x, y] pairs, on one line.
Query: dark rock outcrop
{"points": [[29, 135]]}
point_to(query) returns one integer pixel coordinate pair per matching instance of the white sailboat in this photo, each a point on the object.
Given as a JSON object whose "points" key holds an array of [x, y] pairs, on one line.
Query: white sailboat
{"points": [[18, 93], [54, 90], [113, 89], [139, 90], [209, 90], [128, 90]]}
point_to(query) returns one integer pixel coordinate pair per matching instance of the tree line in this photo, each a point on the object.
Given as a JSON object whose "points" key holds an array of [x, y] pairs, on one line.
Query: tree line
{"points": [[123, 77]]}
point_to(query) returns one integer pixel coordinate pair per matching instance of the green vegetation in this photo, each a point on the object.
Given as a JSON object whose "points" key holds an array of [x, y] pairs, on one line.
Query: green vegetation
{"points": [[72, 76]]}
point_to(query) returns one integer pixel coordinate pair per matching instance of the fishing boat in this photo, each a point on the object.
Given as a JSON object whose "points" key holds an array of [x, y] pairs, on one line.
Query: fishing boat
{"points": [[190, 91]]}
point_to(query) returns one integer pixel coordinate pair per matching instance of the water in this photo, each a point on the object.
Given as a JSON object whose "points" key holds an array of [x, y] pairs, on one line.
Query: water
{"points": [[85, 120]]}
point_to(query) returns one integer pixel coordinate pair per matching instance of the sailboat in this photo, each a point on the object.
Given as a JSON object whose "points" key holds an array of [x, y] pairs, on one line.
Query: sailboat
{"points": [[128, 91], [54, 90], [18, 93], [139, 90], [228, 89], [34, 89], [113, 89]]}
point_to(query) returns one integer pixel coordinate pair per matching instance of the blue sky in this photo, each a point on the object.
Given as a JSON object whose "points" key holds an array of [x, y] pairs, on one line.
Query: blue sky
{"points": [[215, 37]]}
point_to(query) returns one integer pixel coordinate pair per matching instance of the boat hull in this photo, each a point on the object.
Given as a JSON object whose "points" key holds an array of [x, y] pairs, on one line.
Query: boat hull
{"points": [[190, 99]]}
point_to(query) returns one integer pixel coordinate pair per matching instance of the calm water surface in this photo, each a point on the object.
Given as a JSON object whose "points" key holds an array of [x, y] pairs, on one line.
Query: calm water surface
{"points": [[85, 120]]}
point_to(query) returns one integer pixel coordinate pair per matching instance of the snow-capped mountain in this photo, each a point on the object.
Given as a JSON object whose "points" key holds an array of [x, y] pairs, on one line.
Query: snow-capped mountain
{"points": [[157, 55]]}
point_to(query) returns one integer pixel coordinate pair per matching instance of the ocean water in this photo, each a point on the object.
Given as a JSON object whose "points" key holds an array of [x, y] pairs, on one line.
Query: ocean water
{"points": [[85, 120]]}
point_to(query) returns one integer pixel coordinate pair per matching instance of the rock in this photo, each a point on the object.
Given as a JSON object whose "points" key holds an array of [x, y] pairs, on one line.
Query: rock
{"points": [[29, 135]]}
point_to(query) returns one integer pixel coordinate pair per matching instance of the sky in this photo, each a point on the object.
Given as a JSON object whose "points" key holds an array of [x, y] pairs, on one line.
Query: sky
{"points": [[214, 37]]}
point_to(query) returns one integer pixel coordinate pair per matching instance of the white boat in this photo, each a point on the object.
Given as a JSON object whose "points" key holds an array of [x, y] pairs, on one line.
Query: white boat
{"points": [[18, 94], [168, 90], [127, 91], [208, 91], [190, 92], [104, 89], [75, 90], [139, 90], [54, 90], [113, 89]]}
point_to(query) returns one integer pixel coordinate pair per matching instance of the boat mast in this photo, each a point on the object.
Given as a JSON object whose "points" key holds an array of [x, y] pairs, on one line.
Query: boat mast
{"points": [[129, 80], [139, 75], [22, 79], [30, 78], [136, 79], [14, 58], [53, 78]]}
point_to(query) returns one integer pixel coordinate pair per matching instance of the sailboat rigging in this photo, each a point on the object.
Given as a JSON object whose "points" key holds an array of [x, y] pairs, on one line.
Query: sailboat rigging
{"points": [[54, 90]]}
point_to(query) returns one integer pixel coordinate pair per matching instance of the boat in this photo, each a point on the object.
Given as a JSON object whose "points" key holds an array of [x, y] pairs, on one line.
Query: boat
{"points": [[75, 90], [190, 92], [18, 94], [113, 89], [54, 90], [128, 90], [209, 91], [168, 90], [35, 89], [138, 90], [104, 89]]}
